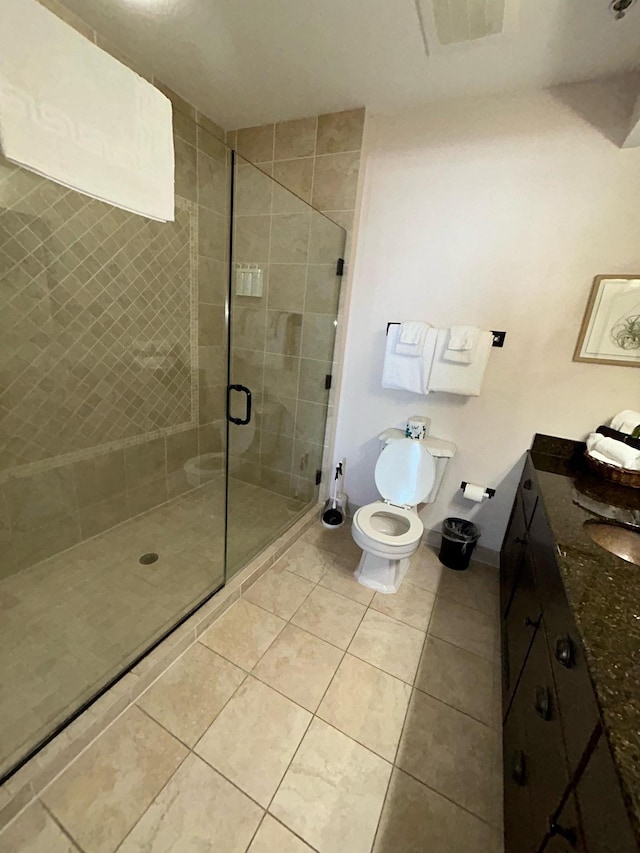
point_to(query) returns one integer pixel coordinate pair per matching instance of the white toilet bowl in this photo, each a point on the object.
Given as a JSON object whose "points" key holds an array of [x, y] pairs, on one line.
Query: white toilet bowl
{"points": [[389, 530]]}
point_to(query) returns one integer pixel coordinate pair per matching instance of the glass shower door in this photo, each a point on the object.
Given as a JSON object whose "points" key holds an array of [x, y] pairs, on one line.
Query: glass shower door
{"points": [[284, 293]]}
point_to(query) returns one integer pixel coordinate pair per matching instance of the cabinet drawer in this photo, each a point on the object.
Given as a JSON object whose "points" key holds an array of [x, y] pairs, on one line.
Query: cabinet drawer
{"points": [[519, 627], [605, 823], [513, 546], [565, 835], [579, 710]]}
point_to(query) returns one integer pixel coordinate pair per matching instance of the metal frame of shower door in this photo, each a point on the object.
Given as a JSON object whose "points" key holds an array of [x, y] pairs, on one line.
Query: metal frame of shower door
{"points": [[227, 315]]}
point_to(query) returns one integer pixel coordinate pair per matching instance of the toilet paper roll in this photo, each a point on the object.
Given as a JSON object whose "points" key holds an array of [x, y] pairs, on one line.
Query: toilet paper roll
{"points": [[474, 492]]}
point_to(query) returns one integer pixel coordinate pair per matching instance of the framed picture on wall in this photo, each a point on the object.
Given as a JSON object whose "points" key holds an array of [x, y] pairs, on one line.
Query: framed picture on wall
{"points": [[610, 331]]}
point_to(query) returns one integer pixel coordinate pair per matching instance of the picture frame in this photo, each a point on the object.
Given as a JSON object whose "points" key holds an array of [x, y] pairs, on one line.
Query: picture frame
{"points": [[610, 330]]}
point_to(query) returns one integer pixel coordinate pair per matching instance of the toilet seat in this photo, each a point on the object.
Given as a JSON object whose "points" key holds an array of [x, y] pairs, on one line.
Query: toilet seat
{"points": [[363, 519]]}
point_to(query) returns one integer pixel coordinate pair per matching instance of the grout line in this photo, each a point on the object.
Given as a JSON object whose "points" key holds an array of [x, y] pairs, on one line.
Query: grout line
{"points": [[60, 825]]}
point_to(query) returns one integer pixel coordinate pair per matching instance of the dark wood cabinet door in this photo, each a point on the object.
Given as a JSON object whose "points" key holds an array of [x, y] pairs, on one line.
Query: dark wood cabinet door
{"points": [[605, 823], [564, 834], [519, 627], [528, 492], [578, 708], [518, 832], [513, 546]]}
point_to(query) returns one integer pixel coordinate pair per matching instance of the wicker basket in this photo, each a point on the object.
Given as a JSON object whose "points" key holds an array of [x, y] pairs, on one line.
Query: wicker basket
{"points": [[621, 476]]}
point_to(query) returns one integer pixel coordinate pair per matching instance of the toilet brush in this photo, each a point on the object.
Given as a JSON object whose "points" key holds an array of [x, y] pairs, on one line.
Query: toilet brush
{"points": [[332, 516]]}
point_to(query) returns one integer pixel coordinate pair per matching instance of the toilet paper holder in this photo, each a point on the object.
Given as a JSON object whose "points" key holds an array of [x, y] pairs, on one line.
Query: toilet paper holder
{"points": [[488, 492]]}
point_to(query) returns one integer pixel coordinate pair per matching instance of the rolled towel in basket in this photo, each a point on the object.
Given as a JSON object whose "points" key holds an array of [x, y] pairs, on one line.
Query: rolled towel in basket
{"points": [[626, 421], [613, 452]]}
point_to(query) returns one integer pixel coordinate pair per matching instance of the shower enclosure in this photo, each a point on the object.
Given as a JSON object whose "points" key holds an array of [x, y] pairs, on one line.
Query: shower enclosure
{"points": [[163, 402]]}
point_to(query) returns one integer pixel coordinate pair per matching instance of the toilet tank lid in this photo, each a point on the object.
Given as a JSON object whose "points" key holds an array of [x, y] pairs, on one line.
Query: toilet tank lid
{"points": [[437, 447]]}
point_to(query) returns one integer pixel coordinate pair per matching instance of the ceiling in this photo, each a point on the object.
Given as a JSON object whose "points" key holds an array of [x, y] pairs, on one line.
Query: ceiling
{"points": [[247, 62]]}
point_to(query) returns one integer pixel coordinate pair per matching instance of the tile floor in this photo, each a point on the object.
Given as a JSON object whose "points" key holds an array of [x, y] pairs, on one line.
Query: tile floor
{"points": [[71, 623], [313, 715]]}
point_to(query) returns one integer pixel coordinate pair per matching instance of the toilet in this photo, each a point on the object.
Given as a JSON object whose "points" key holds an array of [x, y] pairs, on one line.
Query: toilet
{"points": [[408, 472]]}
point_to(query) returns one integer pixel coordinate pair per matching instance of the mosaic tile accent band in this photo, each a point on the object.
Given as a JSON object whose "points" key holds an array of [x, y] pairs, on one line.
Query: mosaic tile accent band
{"points": [[97, 328]]}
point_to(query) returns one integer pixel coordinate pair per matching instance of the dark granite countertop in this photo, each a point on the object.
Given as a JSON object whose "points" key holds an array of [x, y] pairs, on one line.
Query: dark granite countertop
{"points": [[603, 591]]}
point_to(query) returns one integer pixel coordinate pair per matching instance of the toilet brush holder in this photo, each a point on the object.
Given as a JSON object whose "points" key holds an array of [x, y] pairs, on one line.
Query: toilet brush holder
{"points": [[332, 515]]}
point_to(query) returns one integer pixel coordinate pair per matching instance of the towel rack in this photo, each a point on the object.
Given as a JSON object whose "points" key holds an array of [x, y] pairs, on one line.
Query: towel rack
{"points": [[498, 337]]}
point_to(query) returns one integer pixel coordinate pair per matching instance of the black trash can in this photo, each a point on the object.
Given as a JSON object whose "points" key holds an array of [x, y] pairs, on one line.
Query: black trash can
{"points": [[459, 538]]}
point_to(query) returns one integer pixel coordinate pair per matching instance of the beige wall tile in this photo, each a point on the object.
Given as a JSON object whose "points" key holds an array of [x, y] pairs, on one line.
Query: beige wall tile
{"points": [[289, 238], [253, 191], [256, 143], [284, 330], [296, 176], [318, 336], [332, 794], [339, 132], [335, 181], [213, 280], [184, 127], [178, 102], [144, 497], [265, 729], [211, 325], [210, 126], [145, 463], [251, 239], [186, 175], [281, 375], [326, 240], [213, 184], [287, 287], [212, 146], [313, 375], [213, 234], [323, 289], [295, 138], [68, 17], [103, 515], [99, 798], [198, 810]]}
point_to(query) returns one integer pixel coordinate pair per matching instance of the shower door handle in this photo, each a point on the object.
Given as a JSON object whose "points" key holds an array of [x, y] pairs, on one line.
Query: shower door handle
{"points": [[247, 417]]}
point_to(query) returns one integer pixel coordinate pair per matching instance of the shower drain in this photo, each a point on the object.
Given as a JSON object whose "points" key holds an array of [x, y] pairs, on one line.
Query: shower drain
{"points": [[148, 559]]}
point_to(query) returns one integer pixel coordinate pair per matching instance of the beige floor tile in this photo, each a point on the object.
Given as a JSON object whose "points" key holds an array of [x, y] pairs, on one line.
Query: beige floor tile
{"points": [[104, 792], [273, 837], [333, 792], [306, 560], [279, 592], [416, 819], [341, 579], [299, 665], [478, 587], [425, 569], [465, 627], [253, 739], [388, 644], [35, 831], [339, 541], [198, 810], [330, 616], [451, 753], [243, 633], [459, 678], [410, 604], [368, 705], [187, 698]]}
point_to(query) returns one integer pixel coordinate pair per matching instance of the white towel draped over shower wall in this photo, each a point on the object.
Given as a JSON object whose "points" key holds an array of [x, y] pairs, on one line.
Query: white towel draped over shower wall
{"points": [[72, 113]]}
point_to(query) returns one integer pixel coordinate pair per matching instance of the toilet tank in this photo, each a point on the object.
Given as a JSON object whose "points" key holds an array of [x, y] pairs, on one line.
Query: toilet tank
{"points": [[442, 451]]}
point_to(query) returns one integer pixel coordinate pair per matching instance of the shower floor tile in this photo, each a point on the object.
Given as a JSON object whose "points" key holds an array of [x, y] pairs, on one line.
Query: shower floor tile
{"points": [[70, 624], [380, 766]]}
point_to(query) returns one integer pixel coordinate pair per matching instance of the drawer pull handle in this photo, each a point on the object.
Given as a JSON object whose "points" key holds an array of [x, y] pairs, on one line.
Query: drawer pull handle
{"points": [[568, 833], [542, 702], [519, 768], [565, 651], [528, 485], [531, 623], [519, 540]]}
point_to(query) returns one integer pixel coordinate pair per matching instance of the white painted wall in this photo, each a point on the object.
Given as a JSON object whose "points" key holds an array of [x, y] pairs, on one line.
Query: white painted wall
{"points": [[497, 212]]}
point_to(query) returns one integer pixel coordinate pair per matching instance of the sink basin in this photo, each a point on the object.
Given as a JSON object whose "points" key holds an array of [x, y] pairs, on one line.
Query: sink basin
{"points": [[618, 540]]}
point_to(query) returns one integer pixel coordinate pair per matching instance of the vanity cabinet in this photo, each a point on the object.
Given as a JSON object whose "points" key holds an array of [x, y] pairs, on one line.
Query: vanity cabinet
{"points": [[561, 791]]}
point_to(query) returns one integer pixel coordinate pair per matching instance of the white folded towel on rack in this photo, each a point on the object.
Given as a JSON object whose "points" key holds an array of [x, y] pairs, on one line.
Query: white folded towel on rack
{"points": [[613, 452], [411, 338], [464, 379], [408, 372], [74, 114], [462, 344], [626, 421]]}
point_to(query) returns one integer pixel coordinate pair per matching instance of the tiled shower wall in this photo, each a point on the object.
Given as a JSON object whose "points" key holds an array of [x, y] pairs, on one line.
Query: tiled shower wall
{"points": [[112, 368], [283, 343]]}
